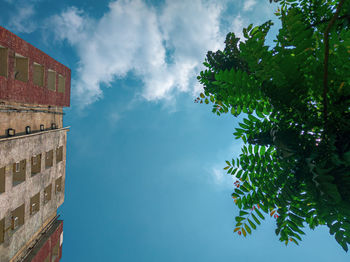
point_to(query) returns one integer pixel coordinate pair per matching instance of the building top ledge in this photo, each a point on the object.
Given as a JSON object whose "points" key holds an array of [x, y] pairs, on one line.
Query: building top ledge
{"points": [[34, 134]]}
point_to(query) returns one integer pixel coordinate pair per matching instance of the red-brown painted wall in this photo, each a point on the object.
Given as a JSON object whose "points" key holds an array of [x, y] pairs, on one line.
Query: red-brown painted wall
{"points": [[18, 91], [46, 249]]}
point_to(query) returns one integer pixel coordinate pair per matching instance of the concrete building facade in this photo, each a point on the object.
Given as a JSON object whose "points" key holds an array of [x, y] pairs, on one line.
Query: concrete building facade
{"points": [[34, 88]]}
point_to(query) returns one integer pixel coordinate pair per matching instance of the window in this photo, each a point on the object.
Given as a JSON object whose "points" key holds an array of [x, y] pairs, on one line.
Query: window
{"points": [[49, 159], [47, 193], [55, 251], [61, 83], [2, 230], [36, 164], [19, 172], [59, 154], [35, 204], [3, 61], [21, 68], [2, 180], [38, 74], [58, 184], [51, 80], [17, 217]]}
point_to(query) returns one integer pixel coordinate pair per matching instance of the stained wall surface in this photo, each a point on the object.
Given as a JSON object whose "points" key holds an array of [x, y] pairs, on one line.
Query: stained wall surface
{"points": [[19, 116], [16, 149], [18, 62]]}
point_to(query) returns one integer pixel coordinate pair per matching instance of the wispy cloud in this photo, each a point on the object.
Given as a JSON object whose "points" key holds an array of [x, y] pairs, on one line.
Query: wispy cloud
{"points": [[217, 175], [22, 19], [221, 178], [248, 5]]}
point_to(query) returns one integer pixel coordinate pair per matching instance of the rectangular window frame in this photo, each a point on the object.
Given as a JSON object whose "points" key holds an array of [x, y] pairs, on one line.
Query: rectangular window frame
{"points": [[59, 154], [4, 54], [61, 83], [58, 185], [47, 193], [49, 159], [2, 179], [21, 74], [2, 230], [17, 217], [35, 204], [51, 80], [35, 164], [19, 177], [38, 74]]}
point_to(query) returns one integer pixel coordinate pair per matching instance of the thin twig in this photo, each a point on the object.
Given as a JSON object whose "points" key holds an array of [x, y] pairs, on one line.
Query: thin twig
{"points": [[326, 54]]}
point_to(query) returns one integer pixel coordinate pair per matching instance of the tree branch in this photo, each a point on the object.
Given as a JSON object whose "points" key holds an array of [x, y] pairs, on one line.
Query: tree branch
{"points": [[326, 54], [327, 20]]}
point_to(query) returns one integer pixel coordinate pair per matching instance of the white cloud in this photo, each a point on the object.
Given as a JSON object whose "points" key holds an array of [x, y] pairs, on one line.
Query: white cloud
{"points": [[21, 21], [248, 4], [164, 47], [134, 37], [221, 178]]}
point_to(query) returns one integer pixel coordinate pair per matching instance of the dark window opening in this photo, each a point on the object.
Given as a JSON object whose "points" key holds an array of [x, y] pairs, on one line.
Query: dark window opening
{"points": [[51, 80], [47, 193], [38, 74], [36, 164], [61, 83], [21, 68], [58, 185], [59, 154], [2, 230], [2, 180], [3, 61], [35, 204], [19, 172], [49, 159], [17, 217]]}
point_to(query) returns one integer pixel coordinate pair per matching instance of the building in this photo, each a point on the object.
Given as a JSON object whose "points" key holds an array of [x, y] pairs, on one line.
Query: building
{"points": [[34, 88]]}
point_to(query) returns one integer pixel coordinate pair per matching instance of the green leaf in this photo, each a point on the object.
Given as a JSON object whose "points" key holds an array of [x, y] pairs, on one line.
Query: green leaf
{"points": [[239, 110], [256, 219], [256, 149], [239, 173], [251, 224], [243, 213], [247, 228], [244, 232], [239, 219], [259, 213], [253, 118], [250, 149]]}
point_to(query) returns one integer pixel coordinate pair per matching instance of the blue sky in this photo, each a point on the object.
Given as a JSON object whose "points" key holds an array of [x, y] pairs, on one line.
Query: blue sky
{"points": [[145, 178]]}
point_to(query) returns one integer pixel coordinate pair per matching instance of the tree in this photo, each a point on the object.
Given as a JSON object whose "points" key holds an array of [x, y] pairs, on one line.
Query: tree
{"points": [[295, 162]]}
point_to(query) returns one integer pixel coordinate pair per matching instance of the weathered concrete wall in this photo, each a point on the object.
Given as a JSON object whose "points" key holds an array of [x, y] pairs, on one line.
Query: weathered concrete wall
{"points": [[18, 116], [15, 149], [15, 90]]}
